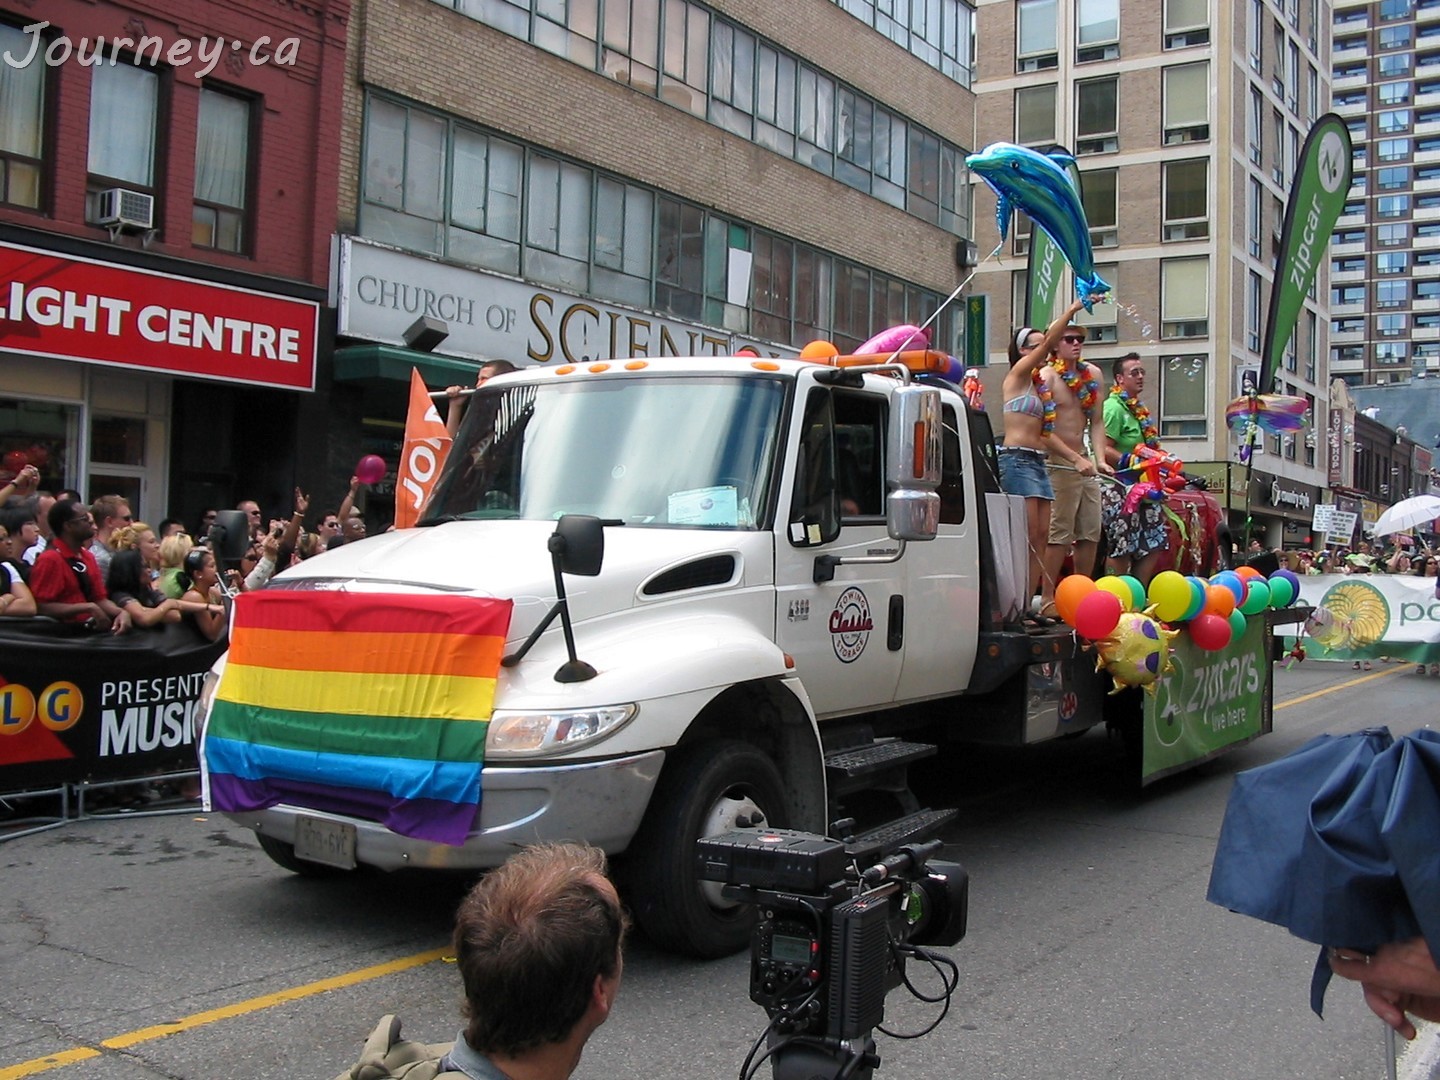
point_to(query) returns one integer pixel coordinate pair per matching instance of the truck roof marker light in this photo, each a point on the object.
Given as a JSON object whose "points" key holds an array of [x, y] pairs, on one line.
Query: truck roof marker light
{"points": [[764, 365], [596, 369], [566, 369], [789, 662], [916, 360], [637, 365]]}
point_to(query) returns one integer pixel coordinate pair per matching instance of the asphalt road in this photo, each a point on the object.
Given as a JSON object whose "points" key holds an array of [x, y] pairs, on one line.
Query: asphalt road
{"points": [[171, 947]]}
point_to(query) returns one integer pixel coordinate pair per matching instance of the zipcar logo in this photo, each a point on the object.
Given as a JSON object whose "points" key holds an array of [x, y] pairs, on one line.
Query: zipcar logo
{"points": [[850, 625]]}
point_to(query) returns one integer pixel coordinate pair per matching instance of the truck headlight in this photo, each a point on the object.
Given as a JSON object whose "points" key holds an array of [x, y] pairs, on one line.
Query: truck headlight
{"points": [[521, 734]]}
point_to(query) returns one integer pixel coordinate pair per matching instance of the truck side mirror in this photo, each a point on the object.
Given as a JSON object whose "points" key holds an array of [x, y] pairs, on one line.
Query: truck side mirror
{"points": [[579, 541], [913, 464]]}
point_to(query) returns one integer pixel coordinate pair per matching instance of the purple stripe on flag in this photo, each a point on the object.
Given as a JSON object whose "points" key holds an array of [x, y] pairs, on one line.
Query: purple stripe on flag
{"points": [[423, 819]]}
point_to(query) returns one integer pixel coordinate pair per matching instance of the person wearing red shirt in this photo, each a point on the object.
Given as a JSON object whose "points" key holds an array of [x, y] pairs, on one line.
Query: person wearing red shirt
{"points": [[66, 581]]}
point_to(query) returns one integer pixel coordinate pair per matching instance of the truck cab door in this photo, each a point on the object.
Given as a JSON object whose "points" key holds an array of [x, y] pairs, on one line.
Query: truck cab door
{"points": [[837, 630]]}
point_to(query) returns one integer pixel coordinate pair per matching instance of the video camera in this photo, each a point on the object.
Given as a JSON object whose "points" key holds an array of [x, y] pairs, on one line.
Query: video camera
{"points": [[837, 923]]}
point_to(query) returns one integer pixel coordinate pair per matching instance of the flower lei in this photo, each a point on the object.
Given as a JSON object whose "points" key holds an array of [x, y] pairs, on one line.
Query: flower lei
{"points": [[1086, 390], [1150, 434], [1047, 400]]}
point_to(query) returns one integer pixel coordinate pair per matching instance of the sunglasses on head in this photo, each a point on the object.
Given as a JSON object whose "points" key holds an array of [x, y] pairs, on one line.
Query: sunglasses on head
{"points": [[1073, 339]]}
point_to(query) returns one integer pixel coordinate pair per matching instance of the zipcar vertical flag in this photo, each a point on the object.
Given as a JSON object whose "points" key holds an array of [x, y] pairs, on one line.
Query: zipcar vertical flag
{"points": [[1045, 269], [427, 445], [371, 705], [1317, 195]]}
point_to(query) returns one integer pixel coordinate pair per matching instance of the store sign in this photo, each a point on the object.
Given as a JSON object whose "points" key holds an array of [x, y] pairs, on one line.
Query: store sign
{"points": [[1278, 495], [71, 308], [1335, 447], [379, 292]]}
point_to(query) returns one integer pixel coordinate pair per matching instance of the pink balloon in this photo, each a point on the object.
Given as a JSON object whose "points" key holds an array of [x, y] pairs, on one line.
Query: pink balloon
{"points": [[371, 469], [905, 337]]}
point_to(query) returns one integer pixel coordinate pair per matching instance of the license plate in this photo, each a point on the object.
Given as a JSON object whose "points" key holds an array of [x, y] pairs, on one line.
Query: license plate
{"points": [[329, 842]]}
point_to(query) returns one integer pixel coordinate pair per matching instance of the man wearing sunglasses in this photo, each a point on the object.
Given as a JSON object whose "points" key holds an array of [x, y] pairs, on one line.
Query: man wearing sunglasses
{"points": [[66, 582], [110, 513], [1075, 515]]}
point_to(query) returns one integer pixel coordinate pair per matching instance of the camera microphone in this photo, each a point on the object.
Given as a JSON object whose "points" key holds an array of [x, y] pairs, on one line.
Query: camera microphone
{"points": [[906, 858]]}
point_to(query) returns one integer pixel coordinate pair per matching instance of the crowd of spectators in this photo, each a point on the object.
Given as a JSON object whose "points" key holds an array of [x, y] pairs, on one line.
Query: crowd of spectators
{"points": [[93, 566]]}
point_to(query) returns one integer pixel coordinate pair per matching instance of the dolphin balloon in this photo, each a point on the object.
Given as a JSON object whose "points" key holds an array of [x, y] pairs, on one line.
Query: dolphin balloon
{"points": [[1040, 184]]}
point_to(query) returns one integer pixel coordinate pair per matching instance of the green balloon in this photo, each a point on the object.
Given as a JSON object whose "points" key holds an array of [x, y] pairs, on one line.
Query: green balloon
{"points": [[1137, 592], [1237, 624], [1257, 599], [1282, 593]]}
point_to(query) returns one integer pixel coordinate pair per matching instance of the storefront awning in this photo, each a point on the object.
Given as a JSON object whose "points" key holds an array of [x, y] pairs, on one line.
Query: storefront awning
{"points": [[394, 362]]}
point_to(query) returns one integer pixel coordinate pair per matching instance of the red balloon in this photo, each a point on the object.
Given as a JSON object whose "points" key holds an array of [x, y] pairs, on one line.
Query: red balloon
{"points": [[1210, 632], [371, 469], [15, 460], [1097, 614]]}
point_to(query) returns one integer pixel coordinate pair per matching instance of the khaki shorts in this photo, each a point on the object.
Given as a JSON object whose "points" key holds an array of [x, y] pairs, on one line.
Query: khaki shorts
{"points": [[1075, 517]]}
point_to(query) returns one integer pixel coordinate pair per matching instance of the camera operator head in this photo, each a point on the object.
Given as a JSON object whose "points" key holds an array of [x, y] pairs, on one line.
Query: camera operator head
{"points": [[538, 943]]}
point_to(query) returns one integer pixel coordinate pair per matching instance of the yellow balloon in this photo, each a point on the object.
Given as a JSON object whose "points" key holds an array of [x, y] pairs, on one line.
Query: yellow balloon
{"points": [[1112, 584], [1170, 595]]}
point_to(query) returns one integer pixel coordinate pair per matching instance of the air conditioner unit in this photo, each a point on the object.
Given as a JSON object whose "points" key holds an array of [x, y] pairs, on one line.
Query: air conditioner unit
{"points": [[125, 208]]}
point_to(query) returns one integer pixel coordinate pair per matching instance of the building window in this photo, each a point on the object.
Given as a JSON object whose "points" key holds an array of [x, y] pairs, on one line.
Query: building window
{"points": [[1097, 30], [1100, 198], [1187, 199], [1255, 127], [1394, 65], [1394, 9], [1253, 309], [1187, 103], [1392, 178], [940, 34], [1389, 294], [624, 217], [1395, 37], [775, 103], [1035, 115], [22, 124], [630, 45], [1312, 344], [1255, 35], [124, 125], [1393, 121], [1395, 93], [1036, 45], [222, 170], [1096, 105], [1392, 235], [1187, 22], [1343, 295], [732, 79], [1184, 395], [1388, 206], [1256, 216], [1392, 262], [1184, 298], [1391, 325]]}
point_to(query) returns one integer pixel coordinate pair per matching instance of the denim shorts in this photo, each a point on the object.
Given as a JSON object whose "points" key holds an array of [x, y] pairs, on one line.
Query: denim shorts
{"points": [[1022, 472]]}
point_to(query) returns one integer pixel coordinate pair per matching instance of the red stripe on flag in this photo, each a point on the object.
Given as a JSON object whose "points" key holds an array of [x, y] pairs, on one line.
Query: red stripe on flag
{"points": [[392, 613]]}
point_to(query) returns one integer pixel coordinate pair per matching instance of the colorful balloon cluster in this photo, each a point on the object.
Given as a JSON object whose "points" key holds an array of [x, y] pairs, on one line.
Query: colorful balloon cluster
{"points": [[1126, 621]]}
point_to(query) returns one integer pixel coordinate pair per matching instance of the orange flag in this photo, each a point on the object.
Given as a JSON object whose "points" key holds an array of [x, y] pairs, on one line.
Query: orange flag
{"points": [[426, 446]]}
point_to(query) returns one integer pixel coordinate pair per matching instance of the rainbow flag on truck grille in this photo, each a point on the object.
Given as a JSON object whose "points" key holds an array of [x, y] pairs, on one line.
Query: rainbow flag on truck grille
{"points": [[364, 704]]}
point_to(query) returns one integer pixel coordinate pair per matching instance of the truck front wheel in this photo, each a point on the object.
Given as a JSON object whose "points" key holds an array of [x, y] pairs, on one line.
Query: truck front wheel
{"points": [[706, 789]]}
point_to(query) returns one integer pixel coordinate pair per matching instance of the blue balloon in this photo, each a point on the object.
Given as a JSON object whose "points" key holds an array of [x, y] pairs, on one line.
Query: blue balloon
{"points": [[1041, 185]]}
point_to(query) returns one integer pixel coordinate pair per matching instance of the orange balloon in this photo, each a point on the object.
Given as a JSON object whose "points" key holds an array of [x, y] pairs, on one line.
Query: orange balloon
{"points": [[1218, 604], [1248, 572], [818, 350], [1069, 593]]}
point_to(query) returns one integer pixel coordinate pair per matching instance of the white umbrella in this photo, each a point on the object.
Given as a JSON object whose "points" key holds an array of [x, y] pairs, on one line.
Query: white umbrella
{"points": [[1408, 513]]}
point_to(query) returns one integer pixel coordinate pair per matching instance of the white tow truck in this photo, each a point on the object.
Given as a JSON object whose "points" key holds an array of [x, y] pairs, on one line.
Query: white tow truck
{"points": [[786, 580]]}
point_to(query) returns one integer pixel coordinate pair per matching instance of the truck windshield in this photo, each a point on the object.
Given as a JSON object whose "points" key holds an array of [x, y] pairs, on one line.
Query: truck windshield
{"points": [[684, 451]]}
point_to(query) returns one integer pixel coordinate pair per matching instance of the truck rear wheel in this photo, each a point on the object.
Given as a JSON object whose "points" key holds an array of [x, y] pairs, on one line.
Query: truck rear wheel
{"points": [[283, 855], [706, 789]]}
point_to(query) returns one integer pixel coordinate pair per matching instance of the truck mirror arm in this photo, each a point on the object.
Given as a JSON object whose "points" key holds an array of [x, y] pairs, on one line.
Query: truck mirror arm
{"points": [[578, 542], [825, 564]]}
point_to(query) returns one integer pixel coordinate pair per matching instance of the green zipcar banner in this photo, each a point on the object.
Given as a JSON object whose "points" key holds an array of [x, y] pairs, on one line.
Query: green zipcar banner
{"points": [[1321, 186], [1045, 270], [1207, 702]]}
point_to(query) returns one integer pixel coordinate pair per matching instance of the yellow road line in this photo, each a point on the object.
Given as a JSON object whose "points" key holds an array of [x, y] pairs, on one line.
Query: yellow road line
{"points": [[1389, 670], [225, 1012]]}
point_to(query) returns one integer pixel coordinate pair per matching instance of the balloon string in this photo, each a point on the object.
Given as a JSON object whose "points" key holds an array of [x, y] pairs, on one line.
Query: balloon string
{"points": [[944, 303]]}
